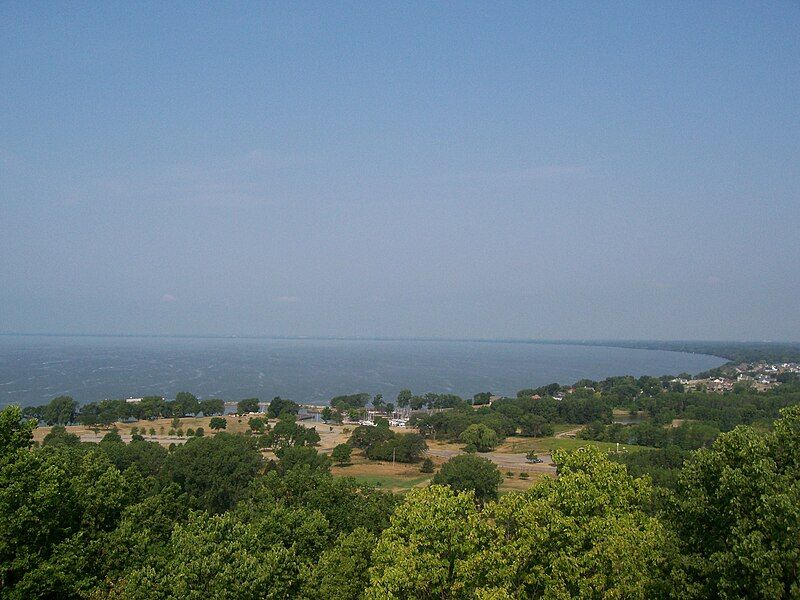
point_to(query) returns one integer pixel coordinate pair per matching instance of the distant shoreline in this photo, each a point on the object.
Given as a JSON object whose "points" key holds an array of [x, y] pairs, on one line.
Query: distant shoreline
{"points": [[728, 350]]}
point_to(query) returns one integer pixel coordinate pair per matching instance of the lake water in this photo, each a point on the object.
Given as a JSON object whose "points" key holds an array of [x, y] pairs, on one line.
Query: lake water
{"points": [[35, 369]]}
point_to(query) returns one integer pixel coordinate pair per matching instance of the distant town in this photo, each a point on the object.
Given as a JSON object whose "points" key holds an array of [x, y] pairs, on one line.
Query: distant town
{"points": [[760, 376]]}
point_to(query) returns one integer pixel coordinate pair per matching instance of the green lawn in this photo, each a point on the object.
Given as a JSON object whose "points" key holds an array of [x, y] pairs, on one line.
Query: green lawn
{"points": [[389, 482], [561, 427]]}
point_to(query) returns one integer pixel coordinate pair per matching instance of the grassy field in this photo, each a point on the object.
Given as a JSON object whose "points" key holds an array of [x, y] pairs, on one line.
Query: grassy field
{"points": [[396, 477], [403, 477], [545, 445]]}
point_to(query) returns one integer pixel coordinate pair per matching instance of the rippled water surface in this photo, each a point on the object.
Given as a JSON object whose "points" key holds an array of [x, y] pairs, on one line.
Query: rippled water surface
{"points": [[35, 369]]}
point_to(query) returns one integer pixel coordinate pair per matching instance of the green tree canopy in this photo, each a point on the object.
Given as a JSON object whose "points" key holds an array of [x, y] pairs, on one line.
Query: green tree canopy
{"points": [[480, 437], [280, 405], [218, 423], [215, 471], [468, 472], [248, 405]]}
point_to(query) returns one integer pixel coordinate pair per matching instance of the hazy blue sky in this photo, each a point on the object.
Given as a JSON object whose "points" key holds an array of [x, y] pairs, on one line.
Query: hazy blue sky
{"points": [[455, 169]]}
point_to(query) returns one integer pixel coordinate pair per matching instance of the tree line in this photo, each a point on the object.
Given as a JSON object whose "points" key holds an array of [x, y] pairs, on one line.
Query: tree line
{"points": [[213, 519]]}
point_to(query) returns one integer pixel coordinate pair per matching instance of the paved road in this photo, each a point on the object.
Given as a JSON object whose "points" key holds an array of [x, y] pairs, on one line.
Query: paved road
{"points": [[161, 439], [514, 461]]}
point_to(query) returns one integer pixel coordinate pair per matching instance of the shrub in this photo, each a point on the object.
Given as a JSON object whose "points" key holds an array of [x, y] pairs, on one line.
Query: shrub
{"points": [[524, 475], [427, 466]]}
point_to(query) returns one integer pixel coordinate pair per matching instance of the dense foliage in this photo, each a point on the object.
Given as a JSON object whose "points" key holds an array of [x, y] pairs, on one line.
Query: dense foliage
{"points": [[381, 443], [212, 519]]}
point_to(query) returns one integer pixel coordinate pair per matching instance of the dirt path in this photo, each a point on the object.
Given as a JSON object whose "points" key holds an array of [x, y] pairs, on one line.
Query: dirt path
{"points": [[571, 433], [502, 459]]}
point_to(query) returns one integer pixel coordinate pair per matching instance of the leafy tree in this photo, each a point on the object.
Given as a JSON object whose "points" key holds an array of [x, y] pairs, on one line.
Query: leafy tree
{"points": [[584, 535], [212, 407], [425, 551], [556, 540], [214, 471], [365, 436], [342, 572], [535, 426], [341, 454], [480, 437], [469, 472], [185, 404], [61, 411], [112, 436], [289, 433], [293, 456], [248, 405], [256, 424], [737, 512], [218, 423], [404, 398], [406, 447], [351, 402], [217, 557], [427, 466], [147, 457], [481, 398], [59, 436], [280, 405], [16, 433]]}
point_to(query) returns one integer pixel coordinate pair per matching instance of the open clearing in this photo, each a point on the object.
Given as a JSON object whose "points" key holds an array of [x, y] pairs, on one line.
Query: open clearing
{"points": [[403, 477]]}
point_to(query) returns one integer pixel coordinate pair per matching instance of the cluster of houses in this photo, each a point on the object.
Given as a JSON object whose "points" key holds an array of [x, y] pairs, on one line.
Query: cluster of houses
{"points": [[760, 376]]}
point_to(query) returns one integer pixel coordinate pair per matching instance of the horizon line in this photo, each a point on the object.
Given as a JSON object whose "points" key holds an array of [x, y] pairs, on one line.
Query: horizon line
{"points": [[566, 341]]}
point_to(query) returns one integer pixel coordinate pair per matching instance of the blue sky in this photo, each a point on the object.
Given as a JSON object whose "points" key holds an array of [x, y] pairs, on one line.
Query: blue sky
{"points": [[502, 170]]}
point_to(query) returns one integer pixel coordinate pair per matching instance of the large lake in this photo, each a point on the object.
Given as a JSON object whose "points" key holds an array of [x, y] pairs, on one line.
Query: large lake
{"points": [[35, 369]]}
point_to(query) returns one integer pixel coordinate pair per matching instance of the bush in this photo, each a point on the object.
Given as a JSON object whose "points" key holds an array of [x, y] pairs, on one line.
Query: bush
{"points": [[524, 475], [427, 466], [190, 432], [199, 432]]}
